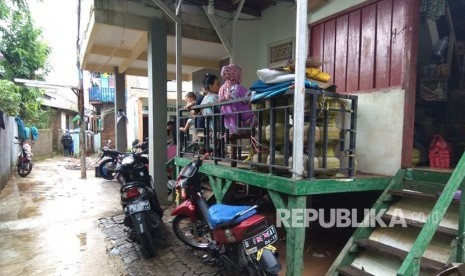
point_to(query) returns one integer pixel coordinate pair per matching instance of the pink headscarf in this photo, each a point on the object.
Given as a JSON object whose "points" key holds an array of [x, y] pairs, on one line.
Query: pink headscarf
{"points": [[232, 74]]}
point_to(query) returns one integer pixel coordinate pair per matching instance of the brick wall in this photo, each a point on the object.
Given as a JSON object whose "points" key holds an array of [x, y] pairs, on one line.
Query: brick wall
{"points": [[43, 147], [56, 131]]}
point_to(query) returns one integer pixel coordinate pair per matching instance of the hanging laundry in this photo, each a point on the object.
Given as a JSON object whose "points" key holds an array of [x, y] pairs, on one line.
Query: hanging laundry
{"points": [[34, 133], [21, 129]]}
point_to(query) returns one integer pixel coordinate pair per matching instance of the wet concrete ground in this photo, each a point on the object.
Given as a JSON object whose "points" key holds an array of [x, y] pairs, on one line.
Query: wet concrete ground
{"points": [[54, 223], [49, 222]]}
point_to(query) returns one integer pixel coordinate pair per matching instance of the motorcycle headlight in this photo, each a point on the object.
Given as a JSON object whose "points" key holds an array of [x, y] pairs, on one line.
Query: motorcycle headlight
{"points": [[127, 160]]}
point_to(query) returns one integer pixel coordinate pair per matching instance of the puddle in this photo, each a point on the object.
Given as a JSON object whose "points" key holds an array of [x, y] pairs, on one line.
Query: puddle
{"points": [[26, 187], [38, 199], [82, 240], [28, 212], [47, 223]]}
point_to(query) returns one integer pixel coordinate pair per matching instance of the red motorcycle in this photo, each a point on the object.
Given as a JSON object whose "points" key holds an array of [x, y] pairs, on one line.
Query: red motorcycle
{"points": [[235, 236], [24, 162]]}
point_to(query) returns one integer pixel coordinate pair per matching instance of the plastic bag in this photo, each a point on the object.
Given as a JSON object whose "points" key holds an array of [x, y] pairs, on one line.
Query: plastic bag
{"points": [[439, 144], [440, 153]]}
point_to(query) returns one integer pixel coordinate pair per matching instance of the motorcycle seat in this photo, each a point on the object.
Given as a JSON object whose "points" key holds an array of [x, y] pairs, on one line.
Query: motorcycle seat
{"points": [[113, 151], [222, 214]]}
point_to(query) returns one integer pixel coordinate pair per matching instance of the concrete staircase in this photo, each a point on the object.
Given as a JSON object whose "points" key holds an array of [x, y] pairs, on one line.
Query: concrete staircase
{"points": [[417, 232]]}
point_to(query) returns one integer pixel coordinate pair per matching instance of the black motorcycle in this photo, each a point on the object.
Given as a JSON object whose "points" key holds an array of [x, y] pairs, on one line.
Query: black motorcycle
{"points": [[138, 198], [24, 161], [109, 160]]}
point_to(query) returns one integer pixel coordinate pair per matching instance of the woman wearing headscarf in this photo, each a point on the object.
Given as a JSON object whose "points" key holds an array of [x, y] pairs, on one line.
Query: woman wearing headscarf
{"points": [[238, 112]]}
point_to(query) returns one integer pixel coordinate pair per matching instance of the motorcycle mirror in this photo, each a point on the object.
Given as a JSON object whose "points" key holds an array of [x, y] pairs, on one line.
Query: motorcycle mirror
{"points": [[171, 184], [135, 142]]}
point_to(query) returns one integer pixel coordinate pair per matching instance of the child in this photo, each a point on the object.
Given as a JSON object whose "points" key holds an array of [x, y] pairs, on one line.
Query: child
{"points": [[190, 101]]}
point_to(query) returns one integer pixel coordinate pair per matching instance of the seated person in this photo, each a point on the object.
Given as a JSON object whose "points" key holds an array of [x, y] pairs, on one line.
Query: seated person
{"points": [[211, 86], [232, 89], [190, 101]]}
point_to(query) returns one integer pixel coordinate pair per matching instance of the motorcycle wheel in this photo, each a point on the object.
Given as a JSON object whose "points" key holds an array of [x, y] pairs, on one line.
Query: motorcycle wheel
{"points": [[145, 237], [104, 171], [24, 168], [184, 229], [249, 264], [146, 246]]}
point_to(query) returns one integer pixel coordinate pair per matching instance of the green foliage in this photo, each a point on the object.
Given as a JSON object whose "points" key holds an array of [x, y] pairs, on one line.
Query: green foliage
{"points": [[45, 117], [9, 98], [25, 54], [7, 6]]}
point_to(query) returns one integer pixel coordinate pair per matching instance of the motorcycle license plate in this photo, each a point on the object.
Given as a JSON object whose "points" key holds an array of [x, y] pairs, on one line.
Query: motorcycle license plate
{"points": [[252, 245], [138, 206]]}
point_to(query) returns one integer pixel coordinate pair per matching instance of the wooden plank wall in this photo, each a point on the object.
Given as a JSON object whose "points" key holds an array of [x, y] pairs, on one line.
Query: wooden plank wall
{"points": [[363, 48]]}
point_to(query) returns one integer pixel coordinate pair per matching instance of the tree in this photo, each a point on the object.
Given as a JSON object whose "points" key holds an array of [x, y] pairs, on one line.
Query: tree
{"points": [[25, 56]]}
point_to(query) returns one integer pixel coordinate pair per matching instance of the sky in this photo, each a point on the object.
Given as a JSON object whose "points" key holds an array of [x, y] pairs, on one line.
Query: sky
{"points": [[58, 21]]}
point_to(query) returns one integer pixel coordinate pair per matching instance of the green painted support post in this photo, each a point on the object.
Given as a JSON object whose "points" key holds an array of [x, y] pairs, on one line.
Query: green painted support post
{"points": [[219, 186], [277, 200], [295, 239], [460, 254], [435, 217]]}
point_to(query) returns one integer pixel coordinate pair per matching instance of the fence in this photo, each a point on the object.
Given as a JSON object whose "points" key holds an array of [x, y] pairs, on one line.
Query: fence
{"points": [[8, 150], [265, 145], [42, 148]]}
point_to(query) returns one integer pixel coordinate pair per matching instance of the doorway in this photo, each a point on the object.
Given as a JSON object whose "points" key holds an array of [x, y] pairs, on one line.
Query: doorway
{"points": [[440, 87], [145, 126]]}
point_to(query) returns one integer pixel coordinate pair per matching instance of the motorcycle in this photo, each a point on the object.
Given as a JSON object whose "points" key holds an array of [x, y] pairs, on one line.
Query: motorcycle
{"points": [[24, 163], [111, 158], [139, 201], [128, 172], [228, 232]]}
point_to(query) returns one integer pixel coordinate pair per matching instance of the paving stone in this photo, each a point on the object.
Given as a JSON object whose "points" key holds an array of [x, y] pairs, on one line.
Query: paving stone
{"points": [[172, 256]]}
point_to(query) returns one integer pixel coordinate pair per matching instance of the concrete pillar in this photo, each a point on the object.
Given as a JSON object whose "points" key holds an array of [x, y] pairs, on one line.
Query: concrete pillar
{"points": [[121, 140], [157, 70]]}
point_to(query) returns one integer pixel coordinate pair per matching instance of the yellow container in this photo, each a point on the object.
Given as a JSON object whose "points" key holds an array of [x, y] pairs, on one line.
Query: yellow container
{"points": [[331, 162], [305, 161], [332, 150], [333, 134], [279, 133], [278, 159]]}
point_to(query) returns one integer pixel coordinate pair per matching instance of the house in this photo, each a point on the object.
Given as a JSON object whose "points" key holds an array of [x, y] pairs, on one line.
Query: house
{"points": [[398, 62], [63, 102]]}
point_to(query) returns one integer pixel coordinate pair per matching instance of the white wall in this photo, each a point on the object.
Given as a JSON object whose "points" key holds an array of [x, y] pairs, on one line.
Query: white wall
{"points": [[333, 6], [380, 120], [277, 23], [246, 50]]}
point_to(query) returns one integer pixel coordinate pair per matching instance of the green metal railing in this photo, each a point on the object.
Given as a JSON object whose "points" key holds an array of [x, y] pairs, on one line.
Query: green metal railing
{"points": [[171, 168], [383, 202], [411, 264]]}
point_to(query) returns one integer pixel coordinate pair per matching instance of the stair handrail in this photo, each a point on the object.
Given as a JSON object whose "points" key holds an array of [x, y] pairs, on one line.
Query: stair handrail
{"points": [[364, 232], [412, 261]]}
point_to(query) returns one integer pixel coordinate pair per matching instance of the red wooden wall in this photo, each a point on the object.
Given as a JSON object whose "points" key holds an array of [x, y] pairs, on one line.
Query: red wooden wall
{"points": [[364, 47]]}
